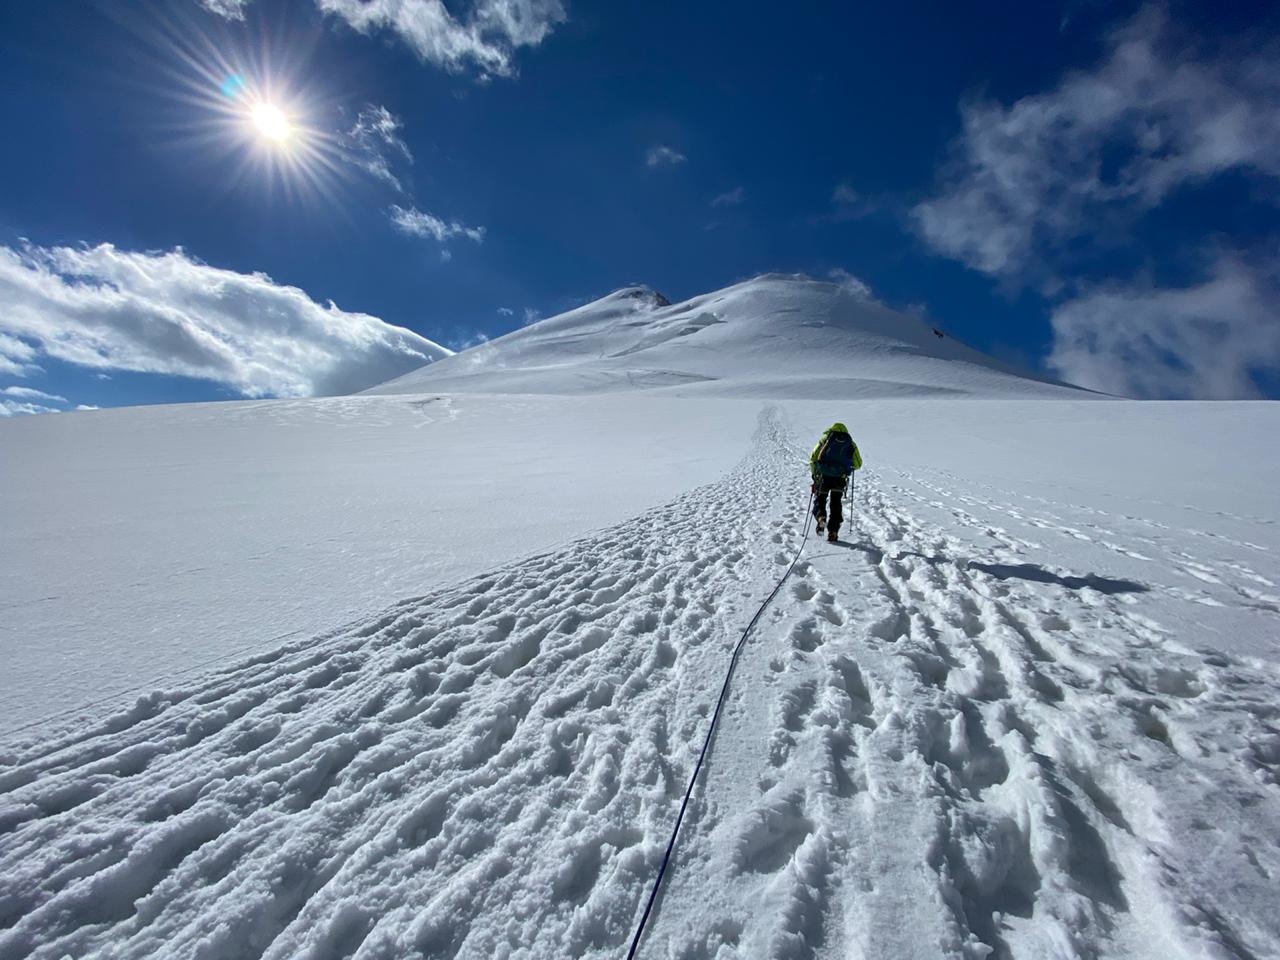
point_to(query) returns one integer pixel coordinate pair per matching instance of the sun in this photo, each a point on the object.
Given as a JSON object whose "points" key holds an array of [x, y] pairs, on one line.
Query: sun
{"points": [[271, 123], [256, 105]]}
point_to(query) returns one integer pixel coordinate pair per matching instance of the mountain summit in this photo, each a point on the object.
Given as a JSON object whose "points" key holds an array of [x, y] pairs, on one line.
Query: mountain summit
{"points": [[774, 336]]}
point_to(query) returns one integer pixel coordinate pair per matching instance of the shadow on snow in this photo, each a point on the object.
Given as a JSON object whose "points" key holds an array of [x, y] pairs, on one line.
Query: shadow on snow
{"points": [[1015, 571]]}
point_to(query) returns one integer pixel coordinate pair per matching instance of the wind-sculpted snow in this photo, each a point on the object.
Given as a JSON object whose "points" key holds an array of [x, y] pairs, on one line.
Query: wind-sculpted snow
{"points": [[772, 337], [939, 743]]}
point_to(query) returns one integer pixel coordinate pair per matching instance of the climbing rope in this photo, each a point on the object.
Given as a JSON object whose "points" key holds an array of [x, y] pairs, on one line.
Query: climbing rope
{"points": [[711, 729]]}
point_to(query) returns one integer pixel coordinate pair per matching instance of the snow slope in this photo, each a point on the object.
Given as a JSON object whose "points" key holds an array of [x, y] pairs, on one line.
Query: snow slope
{"points": [[772, 337], [152, 540], [144, 541], [939, 744], [1026, 707]]}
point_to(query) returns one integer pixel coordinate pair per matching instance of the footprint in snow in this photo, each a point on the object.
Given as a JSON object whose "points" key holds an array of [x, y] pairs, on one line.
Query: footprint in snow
{"points": [[806, 635], [830, 609], [803, 590], [769, 836]]}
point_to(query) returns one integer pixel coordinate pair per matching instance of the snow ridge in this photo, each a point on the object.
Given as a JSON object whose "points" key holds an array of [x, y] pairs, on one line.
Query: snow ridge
{"points": [[772, 337]]}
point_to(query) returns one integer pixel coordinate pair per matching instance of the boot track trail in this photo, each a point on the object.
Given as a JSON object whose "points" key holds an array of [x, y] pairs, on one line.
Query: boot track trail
{"points": [[936, 744]]}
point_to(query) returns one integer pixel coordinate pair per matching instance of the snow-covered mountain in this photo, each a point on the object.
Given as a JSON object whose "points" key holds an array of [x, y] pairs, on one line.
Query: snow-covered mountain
{"points": [[424, 674], [772, 337]]}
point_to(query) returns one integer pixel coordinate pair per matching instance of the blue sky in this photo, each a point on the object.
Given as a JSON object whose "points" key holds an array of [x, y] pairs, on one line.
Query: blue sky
{"points": [[1087, 188]]}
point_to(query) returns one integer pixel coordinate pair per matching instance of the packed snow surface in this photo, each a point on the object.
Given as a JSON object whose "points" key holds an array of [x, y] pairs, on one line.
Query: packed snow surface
{"points": [[1026, 707]]}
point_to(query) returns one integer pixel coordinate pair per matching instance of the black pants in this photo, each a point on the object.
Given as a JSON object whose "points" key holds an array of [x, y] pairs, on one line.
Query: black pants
{"points": [[830, 489]]}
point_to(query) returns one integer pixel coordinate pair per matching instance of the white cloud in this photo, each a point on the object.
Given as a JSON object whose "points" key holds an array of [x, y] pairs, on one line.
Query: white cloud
{"points": [[506, 311], [374, 141], [843, 194], [231, 9], [16, 356], [663, 155], [30, 393], [19, 408], [486, 41], [847, 204], [1103, 146], [1207, 341], [466, 341], [374, 144], [87, 406], [730, 199], [415, 223], [850, 284], [531, 315], [167, 313]]}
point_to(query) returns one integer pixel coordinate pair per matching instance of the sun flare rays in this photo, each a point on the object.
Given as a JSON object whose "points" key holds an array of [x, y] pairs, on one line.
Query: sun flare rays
{"points": [[249, 104]]}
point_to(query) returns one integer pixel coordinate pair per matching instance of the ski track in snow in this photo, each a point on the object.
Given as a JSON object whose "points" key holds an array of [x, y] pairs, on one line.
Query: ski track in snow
{"points": [[934, 747]]}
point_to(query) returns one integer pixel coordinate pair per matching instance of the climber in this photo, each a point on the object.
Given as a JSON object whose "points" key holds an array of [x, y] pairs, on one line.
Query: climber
{"points": [[830, 465]]}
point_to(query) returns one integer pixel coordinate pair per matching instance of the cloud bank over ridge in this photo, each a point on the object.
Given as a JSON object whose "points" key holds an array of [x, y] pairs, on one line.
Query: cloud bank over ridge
{"points": [[168, 313]]}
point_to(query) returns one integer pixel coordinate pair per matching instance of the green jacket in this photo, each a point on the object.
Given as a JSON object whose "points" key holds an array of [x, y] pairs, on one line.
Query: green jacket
{"points": [[822, 442]]}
